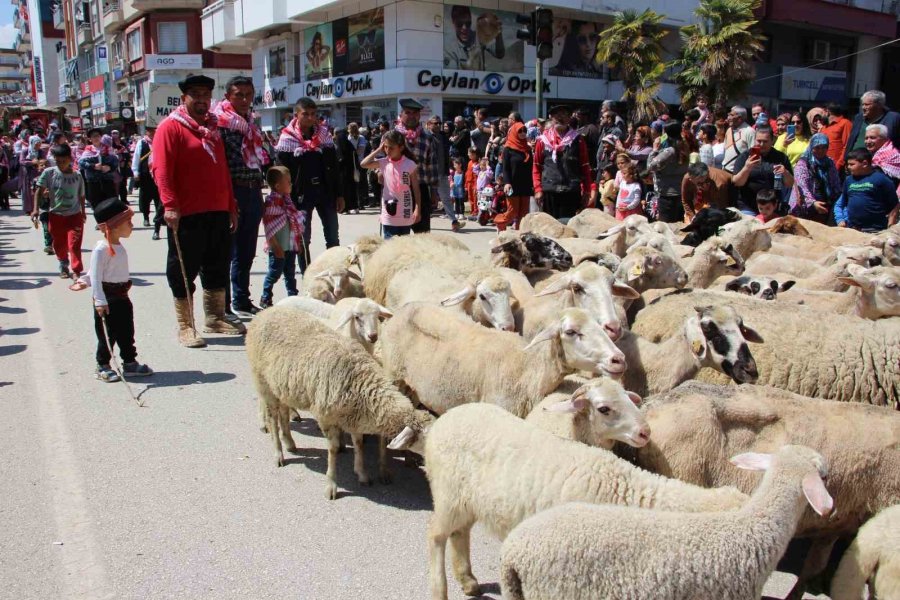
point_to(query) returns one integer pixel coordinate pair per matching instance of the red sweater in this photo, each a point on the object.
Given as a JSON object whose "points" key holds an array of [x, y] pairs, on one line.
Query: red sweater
{"points": [[188, 179], [537, 170]]}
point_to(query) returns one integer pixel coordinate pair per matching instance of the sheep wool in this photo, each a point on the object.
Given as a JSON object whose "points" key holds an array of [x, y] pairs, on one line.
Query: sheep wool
{"points": [[873, 556]]}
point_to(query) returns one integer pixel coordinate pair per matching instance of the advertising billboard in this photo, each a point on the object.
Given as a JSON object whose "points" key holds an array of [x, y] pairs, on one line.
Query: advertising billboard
{"points": [[575, 48], [345, 47], [479, 39]]}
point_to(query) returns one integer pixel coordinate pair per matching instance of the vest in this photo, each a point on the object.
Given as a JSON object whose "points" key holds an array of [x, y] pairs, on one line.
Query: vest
{"points": [[564, 175], [144, 164]]}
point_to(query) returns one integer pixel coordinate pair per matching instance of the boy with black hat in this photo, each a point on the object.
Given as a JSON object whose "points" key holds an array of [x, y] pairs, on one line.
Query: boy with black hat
{"points": [[110, 281]]}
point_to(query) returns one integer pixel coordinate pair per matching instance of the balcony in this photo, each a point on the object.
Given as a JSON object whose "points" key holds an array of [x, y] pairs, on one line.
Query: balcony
{"points": [[113, 19], [219, 28], [59, 18], [22, 43], [864, 17], [83, 33], [151, 5]]}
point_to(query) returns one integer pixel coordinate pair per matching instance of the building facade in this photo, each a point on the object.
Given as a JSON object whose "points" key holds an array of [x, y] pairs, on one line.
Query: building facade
{"points": [[36, 45], [13, 80]]}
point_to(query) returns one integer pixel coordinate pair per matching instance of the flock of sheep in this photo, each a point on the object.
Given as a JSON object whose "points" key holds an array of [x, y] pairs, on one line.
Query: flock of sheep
{"points": [[519, 378]]}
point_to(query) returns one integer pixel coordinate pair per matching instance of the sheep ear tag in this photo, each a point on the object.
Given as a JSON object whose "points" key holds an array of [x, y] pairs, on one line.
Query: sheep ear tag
{"points": [[816, 494], [752, 461], [637, 269]]}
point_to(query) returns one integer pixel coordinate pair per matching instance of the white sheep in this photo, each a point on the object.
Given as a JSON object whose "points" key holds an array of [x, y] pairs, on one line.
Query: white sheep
{"points": [[834, 236], [543, 224], [697, 426], [333, 261], [889, 243], [299, 362], [874, 556], [584, 551], [591, 222], [485, 465], [447, 361], [332, 284], [356, 318], [844, 358], [748, 236], [768, 264], [712, 259], [873, 294], [645, 268]]}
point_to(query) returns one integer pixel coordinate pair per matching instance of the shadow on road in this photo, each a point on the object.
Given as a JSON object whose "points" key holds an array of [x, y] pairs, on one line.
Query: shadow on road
{"points": [[228, 340], [10, 350], [162, 379], [20, 331], [23, 284]]}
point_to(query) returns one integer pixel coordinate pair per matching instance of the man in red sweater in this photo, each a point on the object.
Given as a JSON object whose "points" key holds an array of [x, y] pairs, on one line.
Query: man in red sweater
{"points": [[191, 171], [562, 170]]}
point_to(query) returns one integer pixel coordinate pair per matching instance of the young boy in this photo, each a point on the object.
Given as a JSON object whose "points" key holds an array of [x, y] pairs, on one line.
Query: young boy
{"points": [[283, 225], [869, 201], [110, 281], [64, 189], [765, 201]]}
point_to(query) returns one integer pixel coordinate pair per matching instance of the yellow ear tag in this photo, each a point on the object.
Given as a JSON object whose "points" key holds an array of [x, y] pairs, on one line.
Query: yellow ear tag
{"points": [[696, 346], [637, 270]]}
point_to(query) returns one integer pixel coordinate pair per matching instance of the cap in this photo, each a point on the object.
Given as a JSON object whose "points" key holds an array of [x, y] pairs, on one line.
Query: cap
{"points": [[558, 107], [196, 81], [410, 104], [109, 209], [610, 139]]}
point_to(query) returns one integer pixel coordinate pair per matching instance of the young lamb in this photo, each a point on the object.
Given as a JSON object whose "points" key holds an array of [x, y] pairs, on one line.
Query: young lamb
{"points": [[486, 465], [697, 426], [873, 294], [356, 318], [874, 556], [597, 412], [528, 252], [582, 551], [543, 224], [716, 337], [299, 362], [448, 361], [848, 359], [758, 287], [591, 222]]}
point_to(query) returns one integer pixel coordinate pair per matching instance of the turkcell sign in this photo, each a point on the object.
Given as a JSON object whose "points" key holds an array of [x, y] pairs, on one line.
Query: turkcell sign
{"points": [[339, 86], [492, 83]]}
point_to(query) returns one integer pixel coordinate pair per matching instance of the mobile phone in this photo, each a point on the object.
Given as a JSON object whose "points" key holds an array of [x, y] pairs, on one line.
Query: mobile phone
{"points": [[791, 130], [754, 151]]}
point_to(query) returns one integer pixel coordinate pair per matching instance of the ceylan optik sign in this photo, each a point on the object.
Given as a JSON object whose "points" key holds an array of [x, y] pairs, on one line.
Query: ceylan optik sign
{"points": [[492, 83], [339, 86]]}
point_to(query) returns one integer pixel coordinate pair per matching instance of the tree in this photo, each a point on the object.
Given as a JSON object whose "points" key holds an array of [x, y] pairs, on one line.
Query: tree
{"points": [[632, 46], [718, 52]]}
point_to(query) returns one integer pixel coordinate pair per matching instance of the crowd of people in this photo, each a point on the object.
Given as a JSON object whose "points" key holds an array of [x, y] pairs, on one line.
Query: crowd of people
{"points": [[203, 172]]}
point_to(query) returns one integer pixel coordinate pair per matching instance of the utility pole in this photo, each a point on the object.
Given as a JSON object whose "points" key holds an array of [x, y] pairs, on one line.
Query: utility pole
{"points": [[538, 32], [539, 87]]}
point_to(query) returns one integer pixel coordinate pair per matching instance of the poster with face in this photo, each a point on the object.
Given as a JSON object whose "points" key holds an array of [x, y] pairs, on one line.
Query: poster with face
{"points": [[480, 39], [574, 48], [365, 32], [319, 55]]}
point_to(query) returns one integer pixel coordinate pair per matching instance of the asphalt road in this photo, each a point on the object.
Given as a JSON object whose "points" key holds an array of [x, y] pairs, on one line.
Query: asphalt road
{"points": [[181, 498]]}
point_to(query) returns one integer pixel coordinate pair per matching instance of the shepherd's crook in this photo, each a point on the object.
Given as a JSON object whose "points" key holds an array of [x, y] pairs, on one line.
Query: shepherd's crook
{"points": [[187, 288], [115, 363]]}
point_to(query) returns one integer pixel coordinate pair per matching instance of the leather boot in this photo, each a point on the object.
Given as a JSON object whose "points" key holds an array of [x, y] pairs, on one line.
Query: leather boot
{"points": [[214, 306], [187, 337]]}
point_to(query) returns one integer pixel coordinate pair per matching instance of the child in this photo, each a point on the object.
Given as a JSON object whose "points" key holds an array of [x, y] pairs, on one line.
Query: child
{"points": [[110, 281], [608, 189], [765, 201], [869, 201], [99, 165], [65, 190], [283, 225], [458, 188], [472, 181], [484, 176], [629, 198], [400, 201]]}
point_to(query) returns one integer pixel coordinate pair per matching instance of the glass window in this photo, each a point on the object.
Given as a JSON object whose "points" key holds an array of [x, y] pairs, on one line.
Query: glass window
{"points": [[172, 37], [277, 57], [135, 47]]}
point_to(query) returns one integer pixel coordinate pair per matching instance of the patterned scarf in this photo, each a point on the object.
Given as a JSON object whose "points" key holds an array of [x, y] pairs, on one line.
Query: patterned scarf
{"points": [[280, 211], [292, 140], [819, 168], [92, 151], [888, 160], [208, 132], [34, 147], [251, 146], [411, 135], [554, 142]]}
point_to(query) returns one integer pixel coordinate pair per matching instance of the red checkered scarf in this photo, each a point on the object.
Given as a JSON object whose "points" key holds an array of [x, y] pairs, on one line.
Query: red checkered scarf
{"points": [[280, 211], [411, 135], [292, 140], [554, 142], [208, 132], [251, 147], [888, 160]]}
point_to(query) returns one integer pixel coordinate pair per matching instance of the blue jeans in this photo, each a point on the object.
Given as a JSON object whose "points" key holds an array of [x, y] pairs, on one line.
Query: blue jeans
{"points": [[277, 267], [244, 240], [389, 231]]}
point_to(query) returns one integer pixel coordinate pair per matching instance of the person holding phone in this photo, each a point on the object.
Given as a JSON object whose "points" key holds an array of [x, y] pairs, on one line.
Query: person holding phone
{"points": [[756, 169], [795, 140]]}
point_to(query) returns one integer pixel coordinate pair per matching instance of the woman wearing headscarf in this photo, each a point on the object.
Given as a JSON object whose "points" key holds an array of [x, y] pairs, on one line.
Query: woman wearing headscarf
{"points": [[30, 157], [668, 163], [816, 182], [99, 165], [518, 162]]}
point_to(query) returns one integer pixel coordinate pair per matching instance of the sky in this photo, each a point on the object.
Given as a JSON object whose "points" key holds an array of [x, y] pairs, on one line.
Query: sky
{"points": [[7, 30]]}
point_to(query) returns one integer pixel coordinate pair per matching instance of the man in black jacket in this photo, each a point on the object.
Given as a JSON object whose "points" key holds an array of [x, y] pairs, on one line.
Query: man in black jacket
{"points": [[352, 148]]}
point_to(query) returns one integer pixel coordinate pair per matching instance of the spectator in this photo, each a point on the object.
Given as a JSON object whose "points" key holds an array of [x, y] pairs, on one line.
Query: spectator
{"points": [[781, 123], [738, 139], [719, 146], [838, 132], [816, 182], [607, 190], [352, 148], [481, 133], [590, 133], [610, 106], [874, 111], [755, 170], [401, 198], [768, 206], [794, 145], [707, 145], [628, 200], [884, 155], [759, 109], [610, 126], [460, 142], [705, 115], [816, 119], [640, 148], [668, 163], [562, 172], [517, 169], [471, 180], [687, 131], [869, 202], [702, 187]]}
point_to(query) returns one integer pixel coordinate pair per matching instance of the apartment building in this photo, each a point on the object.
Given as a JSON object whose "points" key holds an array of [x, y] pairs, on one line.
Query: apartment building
{"points": [[35, 45], [12, 78]]}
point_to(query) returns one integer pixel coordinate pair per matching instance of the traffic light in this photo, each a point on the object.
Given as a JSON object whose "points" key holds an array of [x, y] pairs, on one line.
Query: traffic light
{"points": [[526, 33], [543, 32]]}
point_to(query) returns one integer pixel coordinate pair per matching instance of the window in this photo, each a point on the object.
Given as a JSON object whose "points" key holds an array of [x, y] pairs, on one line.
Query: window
{"points": [[172, 37], [276, 61], [135, 48]]}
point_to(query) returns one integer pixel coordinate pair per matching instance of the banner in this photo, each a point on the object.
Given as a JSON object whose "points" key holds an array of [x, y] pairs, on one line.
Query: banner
{"points": [[346, 46], [319, 57], [813, 85], [162, 99], [478, 39], [575, 48], [366, 34]]}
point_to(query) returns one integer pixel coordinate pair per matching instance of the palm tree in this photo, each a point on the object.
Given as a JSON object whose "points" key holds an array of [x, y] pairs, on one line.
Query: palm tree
{"points": [[632, 46], [718, 52]]}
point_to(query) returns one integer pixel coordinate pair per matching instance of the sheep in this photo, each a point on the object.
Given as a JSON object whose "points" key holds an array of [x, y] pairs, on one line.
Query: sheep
{"points": [[338, 258], [889, 244], [766, 264], [543, 224], [873, 556], [299, 362], [873, 294], [332, 284], [789, 225], [834, 236], [763, 288], [849, 359], [713, 258], [356, 318], [597, 412], [486, 465], [706, 223], [591, 222], [623, 235], [697, 426], [645, 268], [748, 236], [627, 552], [528, 252], [715, 337], [449, 361]]}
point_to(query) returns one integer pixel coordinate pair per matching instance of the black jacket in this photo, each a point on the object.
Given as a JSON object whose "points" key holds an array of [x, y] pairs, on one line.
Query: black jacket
{"points": [[332, 183], [517, 172]]}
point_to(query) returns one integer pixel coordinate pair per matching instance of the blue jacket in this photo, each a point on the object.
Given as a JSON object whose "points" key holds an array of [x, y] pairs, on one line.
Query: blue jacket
{"points": [[86, 165], [866, 202], [890, 119]]}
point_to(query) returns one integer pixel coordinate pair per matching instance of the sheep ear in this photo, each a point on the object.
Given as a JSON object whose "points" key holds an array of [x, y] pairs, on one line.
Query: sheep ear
{"points": [[635, 398], [557, 286], [624, 291], [383, 312], [572, 405], [816, 494], [460, 296], [611, 231], [345, 318], [752, 461], [636, 270], [403, 440], [695, 337], [323, 275], [547, 334], [786, 285], [353, 275], [751, 335], [503, 247]]}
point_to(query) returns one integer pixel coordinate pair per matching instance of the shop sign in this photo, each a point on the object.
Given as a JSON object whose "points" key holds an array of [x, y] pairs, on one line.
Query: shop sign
{"points": [[96, 84], [339, 86], [813, 85], [172, 61], [492, 83], [271, 98], [85, 89], [84, 104], [162, 100], [38, 75], [98, 100]]}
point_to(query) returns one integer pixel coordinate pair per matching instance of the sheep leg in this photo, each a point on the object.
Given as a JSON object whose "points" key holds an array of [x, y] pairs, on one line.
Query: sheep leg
{"points": [[287, 439], [333, 434], [262, 415], [460, 558], [384, 472], [815, 563], [273, 423], [359, 463], [437, 569]]}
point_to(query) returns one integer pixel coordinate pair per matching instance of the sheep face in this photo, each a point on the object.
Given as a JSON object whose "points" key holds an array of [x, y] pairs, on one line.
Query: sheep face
{"points": [[647, 269], [880, 289], [723, 256], [759, 287], [706, 224], [612, 412], [364, 320], [889, 244], [864, 256], [528, 253], [633, 226], [584, 344], [338, 279], [494, 298], [320, 289], [718, 339], [657, 241]]}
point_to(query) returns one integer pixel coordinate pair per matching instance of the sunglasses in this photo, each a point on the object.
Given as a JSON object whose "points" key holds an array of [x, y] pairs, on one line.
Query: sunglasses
{"points": [[587, 39], [366, 38], [797, 122]]}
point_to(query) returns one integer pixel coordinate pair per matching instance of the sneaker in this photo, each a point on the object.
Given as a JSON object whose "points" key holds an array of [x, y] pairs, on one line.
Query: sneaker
{"points": [[155, 235], [106, 374], [265, 303], [135, 369], [146, 223], [354, 212], [457, 225], [245, 310], [48, 250]]}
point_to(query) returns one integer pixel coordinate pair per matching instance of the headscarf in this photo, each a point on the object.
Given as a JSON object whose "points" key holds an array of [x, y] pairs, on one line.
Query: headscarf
{"points": [[208, 132], [34, 147], [292, 140], [92, 151], [819, 168], [513, 141]]}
